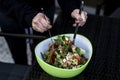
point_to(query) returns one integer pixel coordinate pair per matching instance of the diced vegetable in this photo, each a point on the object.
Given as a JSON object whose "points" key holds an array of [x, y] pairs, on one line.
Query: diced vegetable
{"points": [[65, 54]]}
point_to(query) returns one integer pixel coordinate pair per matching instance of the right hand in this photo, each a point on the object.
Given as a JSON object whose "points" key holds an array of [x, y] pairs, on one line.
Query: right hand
{"points": [[80, 19], [41, 23]]}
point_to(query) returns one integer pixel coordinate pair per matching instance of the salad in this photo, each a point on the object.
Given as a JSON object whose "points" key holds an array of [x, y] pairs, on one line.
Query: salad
{"points": [[64, 54]]}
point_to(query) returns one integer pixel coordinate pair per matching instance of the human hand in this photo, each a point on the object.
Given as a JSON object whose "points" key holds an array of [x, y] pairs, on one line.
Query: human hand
{"points": [[80, 19], [41, 23]]}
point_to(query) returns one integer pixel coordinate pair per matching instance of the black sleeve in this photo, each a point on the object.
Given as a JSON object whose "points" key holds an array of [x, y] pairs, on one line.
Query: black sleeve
{"points": [[69, 5], [19, 10]]}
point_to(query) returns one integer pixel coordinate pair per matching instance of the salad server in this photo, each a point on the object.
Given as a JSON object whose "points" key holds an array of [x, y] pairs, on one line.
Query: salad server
{"points": [[49, 29], [76, 29]]}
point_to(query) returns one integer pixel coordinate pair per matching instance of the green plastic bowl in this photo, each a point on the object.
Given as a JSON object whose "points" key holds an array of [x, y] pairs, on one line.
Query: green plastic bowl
{"points": [[80, 41]]}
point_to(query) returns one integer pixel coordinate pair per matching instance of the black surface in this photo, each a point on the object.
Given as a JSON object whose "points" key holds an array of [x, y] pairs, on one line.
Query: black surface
{"points": [[104, 34], [10, 71]]}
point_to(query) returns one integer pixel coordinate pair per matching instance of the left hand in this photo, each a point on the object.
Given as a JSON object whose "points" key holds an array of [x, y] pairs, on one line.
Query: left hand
{"points": [[41, 23], [80, 19]]}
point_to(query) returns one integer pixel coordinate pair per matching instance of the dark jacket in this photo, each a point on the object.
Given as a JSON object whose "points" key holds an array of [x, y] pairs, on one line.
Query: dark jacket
{"points": [[23, 11]]}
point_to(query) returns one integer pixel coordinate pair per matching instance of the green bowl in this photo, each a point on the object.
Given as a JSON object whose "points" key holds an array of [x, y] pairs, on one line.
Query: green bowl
{"points": [[80, 41]]}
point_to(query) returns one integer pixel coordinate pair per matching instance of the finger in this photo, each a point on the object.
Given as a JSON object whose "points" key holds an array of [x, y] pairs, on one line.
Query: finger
{"points": [[46, 24], [35, 28], [41, 26], [34, 24], [74, 25], [81, 24], [47, 19], [38, 27], [84, 15], [78, 21], [77, 17]]}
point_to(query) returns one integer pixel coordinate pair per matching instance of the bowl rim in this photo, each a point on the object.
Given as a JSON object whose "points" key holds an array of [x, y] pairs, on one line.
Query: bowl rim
{"points": [[62, 68]]}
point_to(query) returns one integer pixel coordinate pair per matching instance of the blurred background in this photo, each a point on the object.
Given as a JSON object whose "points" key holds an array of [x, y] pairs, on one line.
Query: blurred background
{"points": [[94, 7]]}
